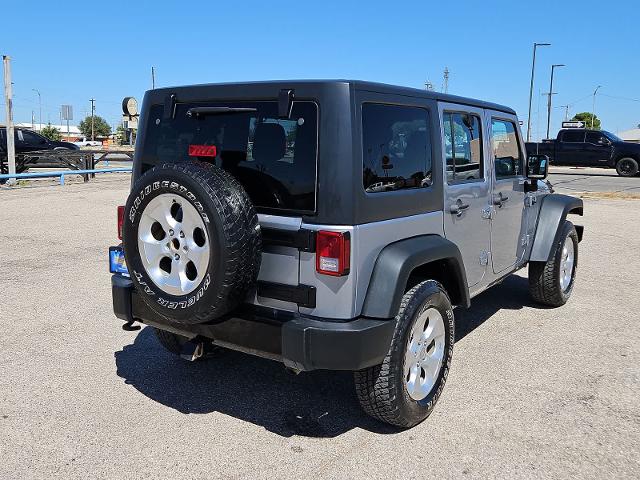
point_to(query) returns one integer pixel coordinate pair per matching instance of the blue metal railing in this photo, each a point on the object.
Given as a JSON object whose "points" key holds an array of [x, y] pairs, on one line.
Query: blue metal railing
{"points": [[62, 174]]}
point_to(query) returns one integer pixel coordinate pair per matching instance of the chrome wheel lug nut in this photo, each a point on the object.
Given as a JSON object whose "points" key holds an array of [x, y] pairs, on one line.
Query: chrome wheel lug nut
{"points": [[181, 234], [171, 232], [176, 257]]}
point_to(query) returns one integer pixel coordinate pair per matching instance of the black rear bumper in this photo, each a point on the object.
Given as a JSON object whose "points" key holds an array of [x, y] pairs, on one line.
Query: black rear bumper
{"points": [[300, 342]]}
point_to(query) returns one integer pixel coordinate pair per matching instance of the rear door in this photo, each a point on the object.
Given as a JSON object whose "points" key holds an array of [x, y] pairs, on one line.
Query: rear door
{"points": [[273, 158], [467, 186], [508, 226], [570, 148]]}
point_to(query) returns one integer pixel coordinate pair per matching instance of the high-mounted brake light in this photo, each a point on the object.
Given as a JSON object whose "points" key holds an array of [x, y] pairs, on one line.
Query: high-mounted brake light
{"points": [[333, 253], [120, 220], [202, 151]]}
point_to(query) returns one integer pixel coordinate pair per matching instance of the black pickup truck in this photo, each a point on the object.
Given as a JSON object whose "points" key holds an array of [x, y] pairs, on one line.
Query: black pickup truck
{"points": [[590, 148]]}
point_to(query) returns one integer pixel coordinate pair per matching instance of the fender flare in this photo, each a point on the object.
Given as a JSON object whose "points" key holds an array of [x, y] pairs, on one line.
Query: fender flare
{"points": [[551, 217], [395, 264]]}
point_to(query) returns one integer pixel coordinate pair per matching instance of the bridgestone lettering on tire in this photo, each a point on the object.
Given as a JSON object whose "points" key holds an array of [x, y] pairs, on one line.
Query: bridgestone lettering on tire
{"points": [[385, 391], [173, 279]]}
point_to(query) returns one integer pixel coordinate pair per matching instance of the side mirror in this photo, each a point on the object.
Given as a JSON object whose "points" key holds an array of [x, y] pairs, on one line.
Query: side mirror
{"points": [[604, 142], [537, 167]]}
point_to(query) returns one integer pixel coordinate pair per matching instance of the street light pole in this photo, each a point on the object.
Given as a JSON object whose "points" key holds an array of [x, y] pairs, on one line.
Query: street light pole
{"points": [[553, 67], [40, 105], [593, 110], [533, 68]]}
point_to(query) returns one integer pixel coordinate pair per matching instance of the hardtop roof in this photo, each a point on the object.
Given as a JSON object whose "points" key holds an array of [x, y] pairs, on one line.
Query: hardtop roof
{"points": [[362, 85]]}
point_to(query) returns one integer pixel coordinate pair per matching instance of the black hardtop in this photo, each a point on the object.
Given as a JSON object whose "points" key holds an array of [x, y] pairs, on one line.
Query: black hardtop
{"points": [[257, 89]]}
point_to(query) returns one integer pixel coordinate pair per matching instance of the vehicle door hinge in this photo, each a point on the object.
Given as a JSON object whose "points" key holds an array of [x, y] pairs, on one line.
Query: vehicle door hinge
{"points": [[487, 212], [484, 257], [530, 200]]}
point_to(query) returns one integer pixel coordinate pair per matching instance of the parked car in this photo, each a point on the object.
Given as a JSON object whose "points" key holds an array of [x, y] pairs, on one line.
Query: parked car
{"points": [[314, 262], [85, 142], [590, 148], [30, 141]]}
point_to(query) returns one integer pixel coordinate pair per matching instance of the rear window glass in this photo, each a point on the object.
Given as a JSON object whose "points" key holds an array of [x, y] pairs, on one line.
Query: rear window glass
{"points": [[274, 159]]}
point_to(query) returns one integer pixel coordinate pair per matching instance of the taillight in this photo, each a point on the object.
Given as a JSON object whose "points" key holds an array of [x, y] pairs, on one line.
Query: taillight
{"points": [[202, 151], [120, 220], [333, 253]]}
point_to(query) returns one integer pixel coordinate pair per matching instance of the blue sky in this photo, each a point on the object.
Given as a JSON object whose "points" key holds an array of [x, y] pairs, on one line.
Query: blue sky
{"points": [[73, 51]]}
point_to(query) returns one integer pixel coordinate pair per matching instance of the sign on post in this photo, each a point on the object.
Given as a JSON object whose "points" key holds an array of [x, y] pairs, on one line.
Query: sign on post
{"points": [[573, 124]]}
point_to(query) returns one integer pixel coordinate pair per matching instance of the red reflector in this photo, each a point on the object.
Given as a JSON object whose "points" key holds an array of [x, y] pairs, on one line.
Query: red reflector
{"points": [[120, 220], [202, 151], [333, 253]]}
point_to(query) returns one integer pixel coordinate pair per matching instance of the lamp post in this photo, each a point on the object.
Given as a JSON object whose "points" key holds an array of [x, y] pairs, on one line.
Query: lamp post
{"points": [[553, 67], [593, 110], [533, 68], [40, 106]]}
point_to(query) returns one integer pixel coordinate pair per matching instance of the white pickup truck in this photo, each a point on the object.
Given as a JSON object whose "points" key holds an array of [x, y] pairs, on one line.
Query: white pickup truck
{"points": [[85, 142]]}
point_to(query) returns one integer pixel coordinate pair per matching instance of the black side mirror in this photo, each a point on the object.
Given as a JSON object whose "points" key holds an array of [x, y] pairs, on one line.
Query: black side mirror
{"points": [[604, 142], [537, 167]]}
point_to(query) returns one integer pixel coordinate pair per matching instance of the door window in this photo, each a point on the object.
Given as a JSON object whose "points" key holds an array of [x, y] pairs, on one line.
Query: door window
{"points": [[396, 148], [573, 136], [506, 149], [463, 147], [595, 138]]}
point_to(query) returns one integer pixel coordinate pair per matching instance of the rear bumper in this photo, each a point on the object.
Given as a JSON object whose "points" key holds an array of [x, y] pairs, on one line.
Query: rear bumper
{"points": [[300, 342]]}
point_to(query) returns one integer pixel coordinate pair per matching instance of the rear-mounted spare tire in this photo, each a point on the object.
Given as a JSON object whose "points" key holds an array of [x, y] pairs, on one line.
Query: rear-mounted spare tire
{"points": [[192, 241]]}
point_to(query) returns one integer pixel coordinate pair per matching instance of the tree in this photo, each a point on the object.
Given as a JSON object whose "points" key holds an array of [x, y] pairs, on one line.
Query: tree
{"points": [[586, 118], [100, 127], [52, 133]]}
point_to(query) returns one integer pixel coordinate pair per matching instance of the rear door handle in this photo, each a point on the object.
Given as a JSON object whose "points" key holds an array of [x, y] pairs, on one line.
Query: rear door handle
{"points": [[458, 207]]}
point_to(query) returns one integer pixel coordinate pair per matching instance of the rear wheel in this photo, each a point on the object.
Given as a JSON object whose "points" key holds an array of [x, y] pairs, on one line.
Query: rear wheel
{"points": [[551, 282], [405, 388], [627, 167]]}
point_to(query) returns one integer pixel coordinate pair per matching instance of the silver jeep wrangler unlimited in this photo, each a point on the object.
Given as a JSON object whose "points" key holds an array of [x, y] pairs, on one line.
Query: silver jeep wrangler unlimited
{"points": [[333, 225]]}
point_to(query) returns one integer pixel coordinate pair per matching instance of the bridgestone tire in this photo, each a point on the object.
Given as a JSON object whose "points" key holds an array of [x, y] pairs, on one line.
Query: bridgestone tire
{"points": [[381, 389], [627, 167], [544, 277], [233, 233], [172, 342]]}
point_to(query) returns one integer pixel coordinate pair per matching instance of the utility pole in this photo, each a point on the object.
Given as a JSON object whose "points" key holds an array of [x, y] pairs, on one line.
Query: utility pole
{"points": [[533, 68], [566, 112], [93, 109], [445, 86], [40, 105], [11, 148], [553, 67], [593, 110], [428, 86], [153, 78]]}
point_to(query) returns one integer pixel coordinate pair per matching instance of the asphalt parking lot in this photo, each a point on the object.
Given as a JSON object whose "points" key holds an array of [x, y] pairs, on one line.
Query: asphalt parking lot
{"points": [[533, 392], [577, 180]]}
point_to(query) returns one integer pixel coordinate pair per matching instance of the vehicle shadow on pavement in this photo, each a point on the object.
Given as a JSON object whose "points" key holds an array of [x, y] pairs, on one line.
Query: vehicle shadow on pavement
{"points": [[312, 404]]}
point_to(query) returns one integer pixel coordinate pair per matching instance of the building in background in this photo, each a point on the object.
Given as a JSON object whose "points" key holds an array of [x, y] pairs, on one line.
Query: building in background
{"points": [[632, 135], [74, 132]]}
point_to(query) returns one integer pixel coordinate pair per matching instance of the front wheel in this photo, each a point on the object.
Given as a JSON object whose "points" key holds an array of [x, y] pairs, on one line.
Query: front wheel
{"points": [[551, 282], [404, 389], [627, 167]]}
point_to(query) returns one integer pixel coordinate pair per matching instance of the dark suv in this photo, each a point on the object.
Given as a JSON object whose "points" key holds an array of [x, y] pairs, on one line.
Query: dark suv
{"points": [[333, 225]]}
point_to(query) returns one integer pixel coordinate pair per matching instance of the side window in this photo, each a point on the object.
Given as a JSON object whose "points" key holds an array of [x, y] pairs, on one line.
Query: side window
{"points": [[463, 147], [31, 138], [396, 145], [595, 138], [573, 136], [506, 150]]}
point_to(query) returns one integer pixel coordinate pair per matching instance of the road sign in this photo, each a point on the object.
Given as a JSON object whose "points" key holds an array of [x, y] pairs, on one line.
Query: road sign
{"points": [[573, 124], [67, 112]]}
